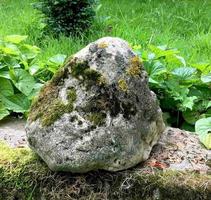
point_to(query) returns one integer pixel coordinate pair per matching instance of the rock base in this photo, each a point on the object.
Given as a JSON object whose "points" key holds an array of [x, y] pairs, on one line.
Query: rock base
{"points": [[24, 176]]}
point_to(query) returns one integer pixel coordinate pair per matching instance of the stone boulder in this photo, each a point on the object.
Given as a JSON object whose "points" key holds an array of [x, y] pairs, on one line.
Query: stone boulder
{"points": [[97, 112]]}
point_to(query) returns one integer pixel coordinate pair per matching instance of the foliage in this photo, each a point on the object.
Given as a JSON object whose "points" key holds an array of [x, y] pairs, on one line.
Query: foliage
{"points": [[203, 128], [182, 25], [183, 89], [21, 75], [68, 17]]}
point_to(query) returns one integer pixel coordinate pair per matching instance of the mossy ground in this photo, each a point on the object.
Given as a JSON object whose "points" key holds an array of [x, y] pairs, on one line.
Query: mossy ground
{"points": [[24, 176]]}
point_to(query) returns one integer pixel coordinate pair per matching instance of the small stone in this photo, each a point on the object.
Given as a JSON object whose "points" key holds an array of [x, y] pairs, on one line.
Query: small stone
{"points": [[97, 112]]}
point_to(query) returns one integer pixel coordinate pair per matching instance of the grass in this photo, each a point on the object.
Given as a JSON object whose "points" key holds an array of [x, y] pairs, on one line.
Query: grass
{"points": [[183, 24]]}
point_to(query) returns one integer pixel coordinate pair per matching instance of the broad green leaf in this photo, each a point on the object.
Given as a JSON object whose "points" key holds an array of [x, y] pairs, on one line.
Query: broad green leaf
{"points": [[181, 59], [10, 49], [146, 56], [206, 78], [206, 140], [33, 69], [187, 127], [9, 60], [3, 111], [151, 80], [6, 88], [2, 66], [173, 85], [31, 48], [4, 74], [188, 102], [12, 74], [208, 105], [29, 52], [162, 51], [154, 69], [57, 59], [175, 61], [184, 73], [203, 67], [191, 116], [24, 81], [16, 39], [201, 91], [16, 103], [35, 90], [203, 129]]}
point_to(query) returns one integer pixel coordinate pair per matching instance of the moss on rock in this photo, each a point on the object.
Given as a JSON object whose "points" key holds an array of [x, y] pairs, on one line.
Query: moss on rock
{"points": [[48, 107], [97, 119], [24, 176], [135, 67], [83, 72]]}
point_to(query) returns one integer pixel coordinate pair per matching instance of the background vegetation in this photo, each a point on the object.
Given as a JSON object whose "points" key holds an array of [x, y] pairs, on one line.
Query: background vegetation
{"points": [[182, 24]]}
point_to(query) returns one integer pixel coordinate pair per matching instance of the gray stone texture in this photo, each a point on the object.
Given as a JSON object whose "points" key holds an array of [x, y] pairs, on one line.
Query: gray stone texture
{"points": [[114, 123]]}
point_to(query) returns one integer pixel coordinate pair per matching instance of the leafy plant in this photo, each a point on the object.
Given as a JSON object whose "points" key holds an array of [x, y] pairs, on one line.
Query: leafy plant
{"points": [[203, 128], [68, 16], [21, 75], [184, 90]]}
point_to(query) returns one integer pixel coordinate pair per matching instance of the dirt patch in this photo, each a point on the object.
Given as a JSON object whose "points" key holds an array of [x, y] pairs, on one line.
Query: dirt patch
{"points": [[13, 132]]}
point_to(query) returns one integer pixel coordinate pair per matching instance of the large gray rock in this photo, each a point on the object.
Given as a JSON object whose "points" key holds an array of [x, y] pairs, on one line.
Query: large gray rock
{"points": [[97, 112]]}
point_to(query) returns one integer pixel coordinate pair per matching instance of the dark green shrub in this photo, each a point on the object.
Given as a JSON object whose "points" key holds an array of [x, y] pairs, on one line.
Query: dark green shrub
{"points": [[68, 16]]}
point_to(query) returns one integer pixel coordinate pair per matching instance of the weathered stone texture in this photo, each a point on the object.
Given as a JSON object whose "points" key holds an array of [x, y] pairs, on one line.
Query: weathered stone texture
{"points": [[97, 112]]}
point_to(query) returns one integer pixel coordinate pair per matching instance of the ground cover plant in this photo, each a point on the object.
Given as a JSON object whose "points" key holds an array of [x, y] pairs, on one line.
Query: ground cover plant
{"points": [[21, 75], [180, 79], [183, 90]]}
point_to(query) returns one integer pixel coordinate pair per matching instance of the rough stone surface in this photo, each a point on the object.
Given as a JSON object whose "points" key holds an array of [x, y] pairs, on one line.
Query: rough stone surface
{"points": [[181, 151], [97, 112]]}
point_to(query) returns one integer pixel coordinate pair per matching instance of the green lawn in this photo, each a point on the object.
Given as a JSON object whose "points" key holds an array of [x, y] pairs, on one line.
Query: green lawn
{"points": [[183, 24]]}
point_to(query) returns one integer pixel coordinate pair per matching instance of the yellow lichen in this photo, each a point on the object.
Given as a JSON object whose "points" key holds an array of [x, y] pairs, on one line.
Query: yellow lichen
{"points": [[102, 45], [123, 85], [135, 66]]}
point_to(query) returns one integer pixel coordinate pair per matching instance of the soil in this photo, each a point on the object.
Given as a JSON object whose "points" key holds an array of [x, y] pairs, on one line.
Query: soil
{"points": [[13, 132]]}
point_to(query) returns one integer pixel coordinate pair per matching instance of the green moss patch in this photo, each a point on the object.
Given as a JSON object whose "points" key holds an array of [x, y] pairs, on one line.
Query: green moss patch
{"points": [[24, 176], [97, 118], [82, 71], [48, 107]]}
